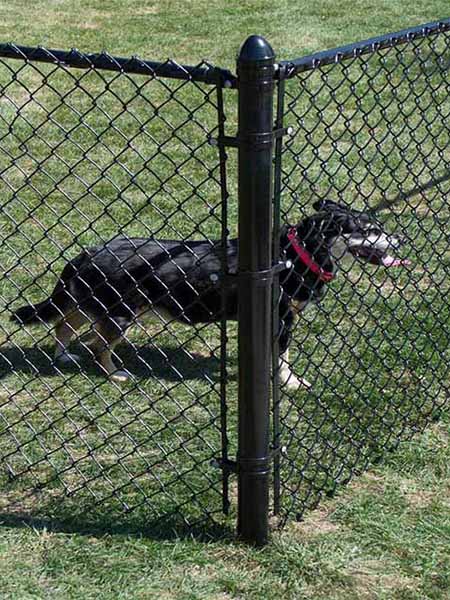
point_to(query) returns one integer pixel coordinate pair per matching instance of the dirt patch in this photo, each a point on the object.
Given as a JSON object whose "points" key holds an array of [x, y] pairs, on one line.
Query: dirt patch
{"points": [[368, 481], [371, 577], [145, 11], [374, 483], [89, 25], [317, 522], [414, 496], [441, 431]]}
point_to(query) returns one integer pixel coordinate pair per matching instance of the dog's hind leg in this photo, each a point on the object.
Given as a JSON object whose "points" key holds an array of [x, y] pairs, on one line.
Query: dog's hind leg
{"points": [[109, 332], [64, 332]]}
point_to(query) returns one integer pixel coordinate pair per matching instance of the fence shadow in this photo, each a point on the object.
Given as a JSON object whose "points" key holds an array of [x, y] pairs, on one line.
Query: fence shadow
{"points": [[142, 362], [73, 518], [167, 528]]}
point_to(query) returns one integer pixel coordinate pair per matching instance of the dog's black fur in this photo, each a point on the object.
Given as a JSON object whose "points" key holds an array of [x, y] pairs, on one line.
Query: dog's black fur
{"points": [[112, 285]]}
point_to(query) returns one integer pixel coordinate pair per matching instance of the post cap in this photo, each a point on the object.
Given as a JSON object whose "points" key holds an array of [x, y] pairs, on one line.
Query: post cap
{"points": [[256, 48]]}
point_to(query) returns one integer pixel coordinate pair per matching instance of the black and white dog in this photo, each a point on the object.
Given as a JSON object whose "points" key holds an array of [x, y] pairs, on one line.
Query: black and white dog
{"points": [[111, 286]]}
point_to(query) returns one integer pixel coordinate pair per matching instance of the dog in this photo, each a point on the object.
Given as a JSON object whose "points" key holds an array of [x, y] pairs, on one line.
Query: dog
{"points": [[109, 287]]}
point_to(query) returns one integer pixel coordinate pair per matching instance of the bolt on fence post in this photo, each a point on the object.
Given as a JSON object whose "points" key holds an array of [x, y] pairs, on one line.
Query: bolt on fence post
{"points": [[255, 68]]}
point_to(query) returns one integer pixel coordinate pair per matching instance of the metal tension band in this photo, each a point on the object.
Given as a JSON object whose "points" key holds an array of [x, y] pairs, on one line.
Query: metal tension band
{"points": [[256, 140], [257, 466], [262, 276]]}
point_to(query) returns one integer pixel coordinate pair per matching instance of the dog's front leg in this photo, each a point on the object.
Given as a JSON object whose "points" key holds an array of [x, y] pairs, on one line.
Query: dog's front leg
{"points": [[287, 377]]}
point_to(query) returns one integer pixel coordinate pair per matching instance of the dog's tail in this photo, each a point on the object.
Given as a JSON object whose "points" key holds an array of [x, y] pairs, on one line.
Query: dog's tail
{"points": [[44, 312]]}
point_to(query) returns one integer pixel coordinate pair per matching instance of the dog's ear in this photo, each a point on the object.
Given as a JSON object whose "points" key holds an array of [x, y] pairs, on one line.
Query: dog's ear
{"points": [[325, 205]]}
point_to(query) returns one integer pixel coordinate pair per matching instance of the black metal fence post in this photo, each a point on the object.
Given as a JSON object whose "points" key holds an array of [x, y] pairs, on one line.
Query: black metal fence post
{"points": [[255, 69]]}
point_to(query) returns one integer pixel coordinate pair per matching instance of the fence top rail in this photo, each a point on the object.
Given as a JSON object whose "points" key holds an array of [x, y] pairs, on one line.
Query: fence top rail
{"points": [[204, 72], [335, 55]]}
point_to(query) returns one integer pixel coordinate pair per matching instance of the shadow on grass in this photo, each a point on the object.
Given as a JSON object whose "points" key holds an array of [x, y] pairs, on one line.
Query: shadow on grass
{"points": [[169, 527], [171, 364]]}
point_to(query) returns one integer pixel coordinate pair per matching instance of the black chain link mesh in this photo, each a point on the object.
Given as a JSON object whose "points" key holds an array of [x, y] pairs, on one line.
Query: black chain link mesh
{"points": [[370, 130], [85, 156], [98, 151]]}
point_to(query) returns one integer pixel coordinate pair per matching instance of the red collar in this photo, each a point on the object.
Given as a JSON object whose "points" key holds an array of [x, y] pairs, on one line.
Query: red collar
{"points": [[306, 257]]}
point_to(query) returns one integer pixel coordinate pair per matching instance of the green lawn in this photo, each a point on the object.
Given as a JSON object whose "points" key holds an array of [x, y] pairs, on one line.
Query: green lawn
{"points": [[89, 454]]}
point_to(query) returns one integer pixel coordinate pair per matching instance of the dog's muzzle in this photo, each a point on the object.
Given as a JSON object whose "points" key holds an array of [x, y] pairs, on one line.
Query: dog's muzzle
{"points": [[377, 257]]}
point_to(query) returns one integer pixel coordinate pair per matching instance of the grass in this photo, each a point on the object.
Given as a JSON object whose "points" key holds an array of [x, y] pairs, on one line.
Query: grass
{"points": [[385, 536], [91, 453]]}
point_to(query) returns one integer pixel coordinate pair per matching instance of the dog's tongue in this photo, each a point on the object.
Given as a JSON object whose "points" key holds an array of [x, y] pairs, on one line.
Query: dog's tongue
{"points": [[390, 261]]}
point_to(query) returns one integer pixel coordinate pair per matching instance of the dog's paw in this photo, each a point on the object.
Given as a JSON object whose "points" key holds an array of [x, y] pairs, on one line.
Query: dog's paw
{"points": [[67, 359], [120, 376], [294, 383]]}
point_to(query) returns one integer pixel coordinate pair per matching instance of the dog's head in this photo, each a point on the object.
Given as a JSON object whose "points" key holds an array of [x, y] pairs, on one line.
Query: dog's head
{"points": [[344, 231]]}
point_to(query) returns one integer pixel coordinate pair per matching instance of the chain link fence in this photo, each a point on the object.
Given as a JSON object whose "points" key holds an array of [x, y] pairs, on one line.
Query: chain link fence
{"points": [[115, 207], [370, 132], [94, 148]]}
